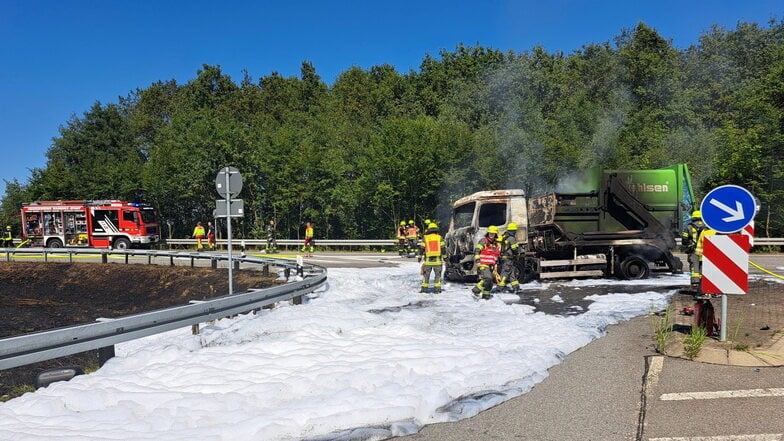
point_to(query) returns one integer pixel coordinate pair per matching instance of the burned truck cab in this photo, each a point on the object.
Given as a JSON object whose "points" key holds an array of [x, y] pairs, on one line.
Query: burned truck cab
{"points": [[471, 215]]}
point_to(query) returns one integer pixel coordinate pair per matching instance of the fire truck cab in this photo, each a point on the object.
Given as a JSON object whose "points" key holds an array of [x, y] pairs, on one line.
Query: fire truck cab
{"points": [[82, 223]]}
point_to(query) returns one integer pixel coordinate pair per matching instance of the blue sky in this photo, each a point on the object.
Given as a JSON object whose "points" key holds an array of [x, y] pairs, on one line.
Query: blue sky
{"points": [[61, 56]]}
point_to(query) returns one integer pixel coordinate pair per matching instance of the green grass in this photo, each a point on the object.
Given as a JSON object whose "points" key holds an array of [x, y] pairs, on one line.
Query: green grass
{"points": [[692, 343], [17, 391], [662, 328]]}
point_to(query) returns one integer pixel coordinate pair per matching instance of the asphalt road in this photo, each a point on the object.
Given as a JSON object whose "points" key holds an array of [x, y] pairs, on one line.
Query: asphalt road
{"points": [[616, 388]]}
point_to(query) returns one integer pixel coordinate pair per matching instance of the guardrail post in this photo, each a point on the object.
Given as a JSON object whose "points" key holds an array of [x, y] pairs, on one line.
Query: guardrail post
{"points": [[237, 265], [104, 258], [104, 354], [287, 272], [126, 257], [193, 259], [195, 329], [214, 263], [171, 260], [297, 300], [265, 270]]}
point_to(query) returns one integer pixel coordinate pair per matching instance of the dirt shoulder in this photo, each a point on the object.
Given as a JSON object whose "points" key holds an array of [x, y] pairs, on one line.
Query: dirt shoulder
{"points": [[754, 319]]}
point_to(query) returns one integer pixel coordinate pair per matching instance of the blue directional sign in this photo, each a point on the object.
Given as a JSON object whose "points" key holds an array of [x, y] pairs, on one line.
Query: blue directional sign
{"points": [[728, 208]]}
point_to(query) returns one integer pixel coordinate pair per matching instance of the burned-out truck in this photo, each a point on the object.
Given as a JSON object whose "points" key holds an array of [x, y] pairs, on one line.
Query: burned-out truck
{"points": [[609, 223]]}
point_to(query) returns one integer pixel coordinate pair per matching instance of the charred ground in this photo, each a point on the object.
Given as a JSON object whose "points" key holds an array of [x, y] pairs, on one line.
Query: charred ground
{"points": [[40, 296]]}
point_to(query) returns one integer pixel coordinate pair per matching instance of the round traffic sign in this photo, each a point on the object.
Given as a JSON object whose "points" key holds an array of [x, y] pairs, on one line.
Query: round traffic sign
{"points": [[728, 208], [234, 185]]}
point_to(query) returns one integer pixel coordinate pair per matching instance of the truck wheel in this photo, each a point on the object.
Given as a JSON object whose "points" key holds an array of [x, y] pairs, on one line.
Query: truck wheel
{"points": [[121, 243], [634, 267], [54, 243], [526, 271]]}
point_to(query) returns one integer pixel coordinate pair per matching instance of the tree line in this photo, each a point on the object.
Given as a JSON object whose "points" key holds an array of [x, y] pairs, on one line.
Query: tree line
{"points": [[379, 146]]}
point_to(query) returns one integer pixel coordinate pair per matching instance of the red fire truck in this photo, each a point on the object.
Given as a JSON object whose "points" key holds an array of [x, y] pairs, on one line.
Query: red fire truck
{"points": [[103, 224]]}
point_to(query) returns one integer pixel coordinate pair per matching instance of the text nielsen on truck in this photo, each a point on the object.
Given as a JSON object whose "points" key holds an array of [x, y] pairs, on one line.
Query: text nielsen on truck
{"points": [[83, 223]]}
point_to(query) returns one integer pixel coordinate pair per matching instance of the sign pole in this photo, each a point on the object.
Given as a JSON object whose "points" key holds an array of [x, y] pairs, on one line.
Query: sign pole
{"points": [[727, 209], [228, 230], [723, 327], [228, 185]]}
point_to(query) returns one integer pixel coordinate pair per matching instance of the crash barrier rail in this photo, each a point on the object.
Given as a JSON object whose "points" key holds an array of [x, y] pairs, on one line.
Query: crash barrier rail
{"points": [[261, 243], [352, 243], [286, 243], [103, 335]]}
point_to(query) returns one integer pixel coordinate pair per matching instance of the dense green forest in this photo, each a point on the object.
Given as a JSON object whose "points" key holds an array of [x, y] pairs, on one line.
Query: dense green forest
{"points": [[378, 145]]}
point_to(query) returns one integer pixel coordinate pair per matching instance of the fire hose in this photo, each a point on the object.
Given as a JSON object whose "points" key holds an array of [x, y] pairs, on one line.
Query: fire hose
{"points": [[766, 271]]}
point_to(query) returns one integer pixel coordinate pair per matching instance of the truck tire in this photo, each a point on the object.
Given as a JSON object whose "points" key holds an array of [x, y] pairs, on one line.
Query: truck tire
{"points": [[526, 270], [633, 268], [54, 243], [121, 243]]}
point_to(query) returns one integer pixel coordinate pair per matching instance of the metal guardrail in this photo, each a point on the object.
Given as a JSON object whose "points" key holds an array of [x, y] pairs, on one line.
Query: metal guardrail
{"points": [[758, 242], [261, 243], [46, 345], [349, 243]]}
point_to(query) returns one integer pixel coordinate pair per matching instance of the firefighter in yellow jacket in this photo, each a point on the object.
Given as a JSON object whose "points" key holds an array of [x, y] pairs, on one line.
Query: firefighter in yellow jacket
{"points": [[692, 241], [486, 254], [8, 239], [433, 253], [698, 251], [401, 238], [412, 236], [199, 234], [510, 252], [307, 246]]}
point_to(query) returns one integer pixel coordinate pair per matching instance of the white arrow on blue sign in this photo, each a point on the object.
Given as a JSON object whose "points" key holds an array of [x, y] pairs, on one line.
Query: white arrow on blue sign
{"points": [[728, 208]]}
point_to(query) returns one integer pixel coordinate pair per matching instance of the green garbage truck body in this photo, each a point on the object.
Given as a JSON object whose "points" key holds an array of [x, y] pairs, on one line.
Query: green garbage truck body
{"points": [[606, 223]]}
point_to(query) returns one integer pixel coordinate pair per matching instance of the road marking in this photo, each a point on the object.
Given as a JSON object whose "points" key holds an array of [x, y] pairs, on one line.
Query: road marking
{"points": [[746, 393], [654, 370], [756, 437]]}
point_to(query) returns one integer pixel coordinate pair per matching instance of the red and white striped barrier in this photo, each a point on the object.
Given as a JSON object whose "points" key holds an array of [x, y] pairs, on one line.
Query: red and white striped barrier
{"points": [[748, 230], [725, 264]]}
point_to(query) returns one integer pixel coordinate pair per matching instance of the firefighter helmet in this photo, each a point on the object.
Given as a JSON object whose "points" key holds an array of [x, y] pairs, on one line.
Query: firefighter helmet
{"points": [[696, 214], [402, 223], [511, 226], [411, 222], [8, 227], [432, 226], [492, 229]]}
